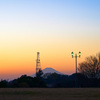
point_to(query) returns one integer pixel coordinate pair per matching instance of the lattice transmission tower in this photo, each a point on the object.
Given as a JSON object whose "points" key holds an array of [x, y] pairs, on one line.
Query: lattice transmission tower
{"points": [[38, 64]]}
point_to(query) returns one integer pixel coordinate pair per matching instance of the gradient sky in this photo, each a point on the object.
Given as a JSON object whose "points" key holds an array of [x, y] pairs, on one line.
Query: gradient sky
{"points": [[55, 28]]}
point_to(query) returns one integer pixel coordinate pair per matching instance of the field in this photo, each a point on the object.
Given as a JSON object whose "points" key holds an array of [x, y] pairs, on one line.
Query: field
{"points": [[49, 94]]}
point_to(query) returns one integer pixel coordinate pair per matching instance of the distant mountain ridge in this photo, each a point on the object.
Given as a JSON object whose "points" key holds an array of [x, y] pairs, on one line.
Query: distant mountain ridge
{"points": [[48, 70]]}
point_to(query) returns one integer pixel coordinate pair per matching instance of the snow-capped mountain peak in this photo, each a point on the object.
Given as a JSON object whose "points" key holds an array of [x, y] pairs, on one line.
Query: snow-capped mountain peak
{"points": [[49, 70]]}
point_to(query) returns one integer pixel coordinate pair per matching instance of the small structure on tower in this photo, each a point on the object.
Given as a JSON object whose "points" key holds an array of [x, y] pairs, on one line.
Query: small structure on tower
{"points": [[38, 64]]}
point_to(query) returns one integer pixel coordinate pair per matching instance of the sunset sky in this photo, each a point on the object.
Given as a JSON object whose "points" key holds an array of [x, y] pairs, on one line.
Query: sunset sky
{"points": [[54, 28]]}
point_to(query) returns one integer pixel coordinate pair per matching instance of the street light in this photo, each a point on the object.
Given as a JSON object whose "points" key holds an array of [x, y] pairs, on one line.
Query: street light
{"points": [[79, 55], [72, 54]]}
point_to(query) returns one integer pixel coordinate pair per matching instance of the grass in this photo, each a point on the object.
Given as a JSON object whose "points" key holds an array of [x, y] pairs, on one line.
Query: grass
{"points": [[49, 94]]}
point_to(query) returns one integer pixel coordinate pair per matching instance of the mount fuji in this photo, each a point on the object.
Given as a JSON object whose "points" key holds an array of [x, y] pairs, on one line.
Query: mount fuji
{"points": [[48, 70]]}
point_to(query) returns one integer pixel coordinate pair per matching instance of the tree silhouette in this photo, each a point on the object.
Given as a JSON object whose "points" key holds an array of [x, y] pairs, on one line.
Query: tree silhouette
{"points": [[3, 83], [39, 73], [26, 81], [91, 67]]}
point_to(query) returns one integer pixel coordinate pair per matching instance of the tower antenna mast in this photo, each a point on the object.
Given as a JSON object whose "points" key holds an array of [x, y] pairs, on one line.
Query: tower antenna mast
{"points": [[38, 64]]}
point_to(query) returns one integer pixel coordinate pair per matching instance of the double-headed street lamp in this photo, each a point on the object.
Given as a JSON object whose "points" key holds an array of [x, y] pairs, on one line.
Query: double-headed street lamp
{"points": [[79, 54]]}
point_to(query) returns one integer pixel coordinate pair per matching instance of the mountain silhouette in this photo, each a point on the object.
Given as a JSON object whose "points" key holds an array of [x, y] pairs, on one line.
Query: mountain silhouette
{"points": [[48, 70]]}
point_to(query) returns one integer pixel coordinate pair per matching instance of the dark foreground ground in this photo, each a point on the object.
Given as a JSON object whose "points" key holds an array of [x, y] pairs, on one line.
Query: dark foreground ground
{"points": [[49, 94]]}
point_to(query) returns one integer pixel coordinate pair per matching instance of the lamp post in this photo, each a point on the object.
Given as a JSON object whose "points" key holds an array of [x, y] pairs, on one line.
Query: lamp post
{"points": [[79, 54]]}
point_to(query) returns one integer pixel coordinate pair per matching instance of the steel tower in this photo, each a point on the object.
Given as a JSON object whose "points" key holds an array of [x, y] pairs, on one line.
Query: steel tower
{"points": [[38, 64]]}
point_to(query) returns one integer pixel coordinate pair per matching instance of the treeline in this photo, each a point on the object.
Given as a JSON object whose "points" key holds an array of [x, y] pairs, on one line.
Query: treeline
{"points": [[23, 81], [51, 80]]}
